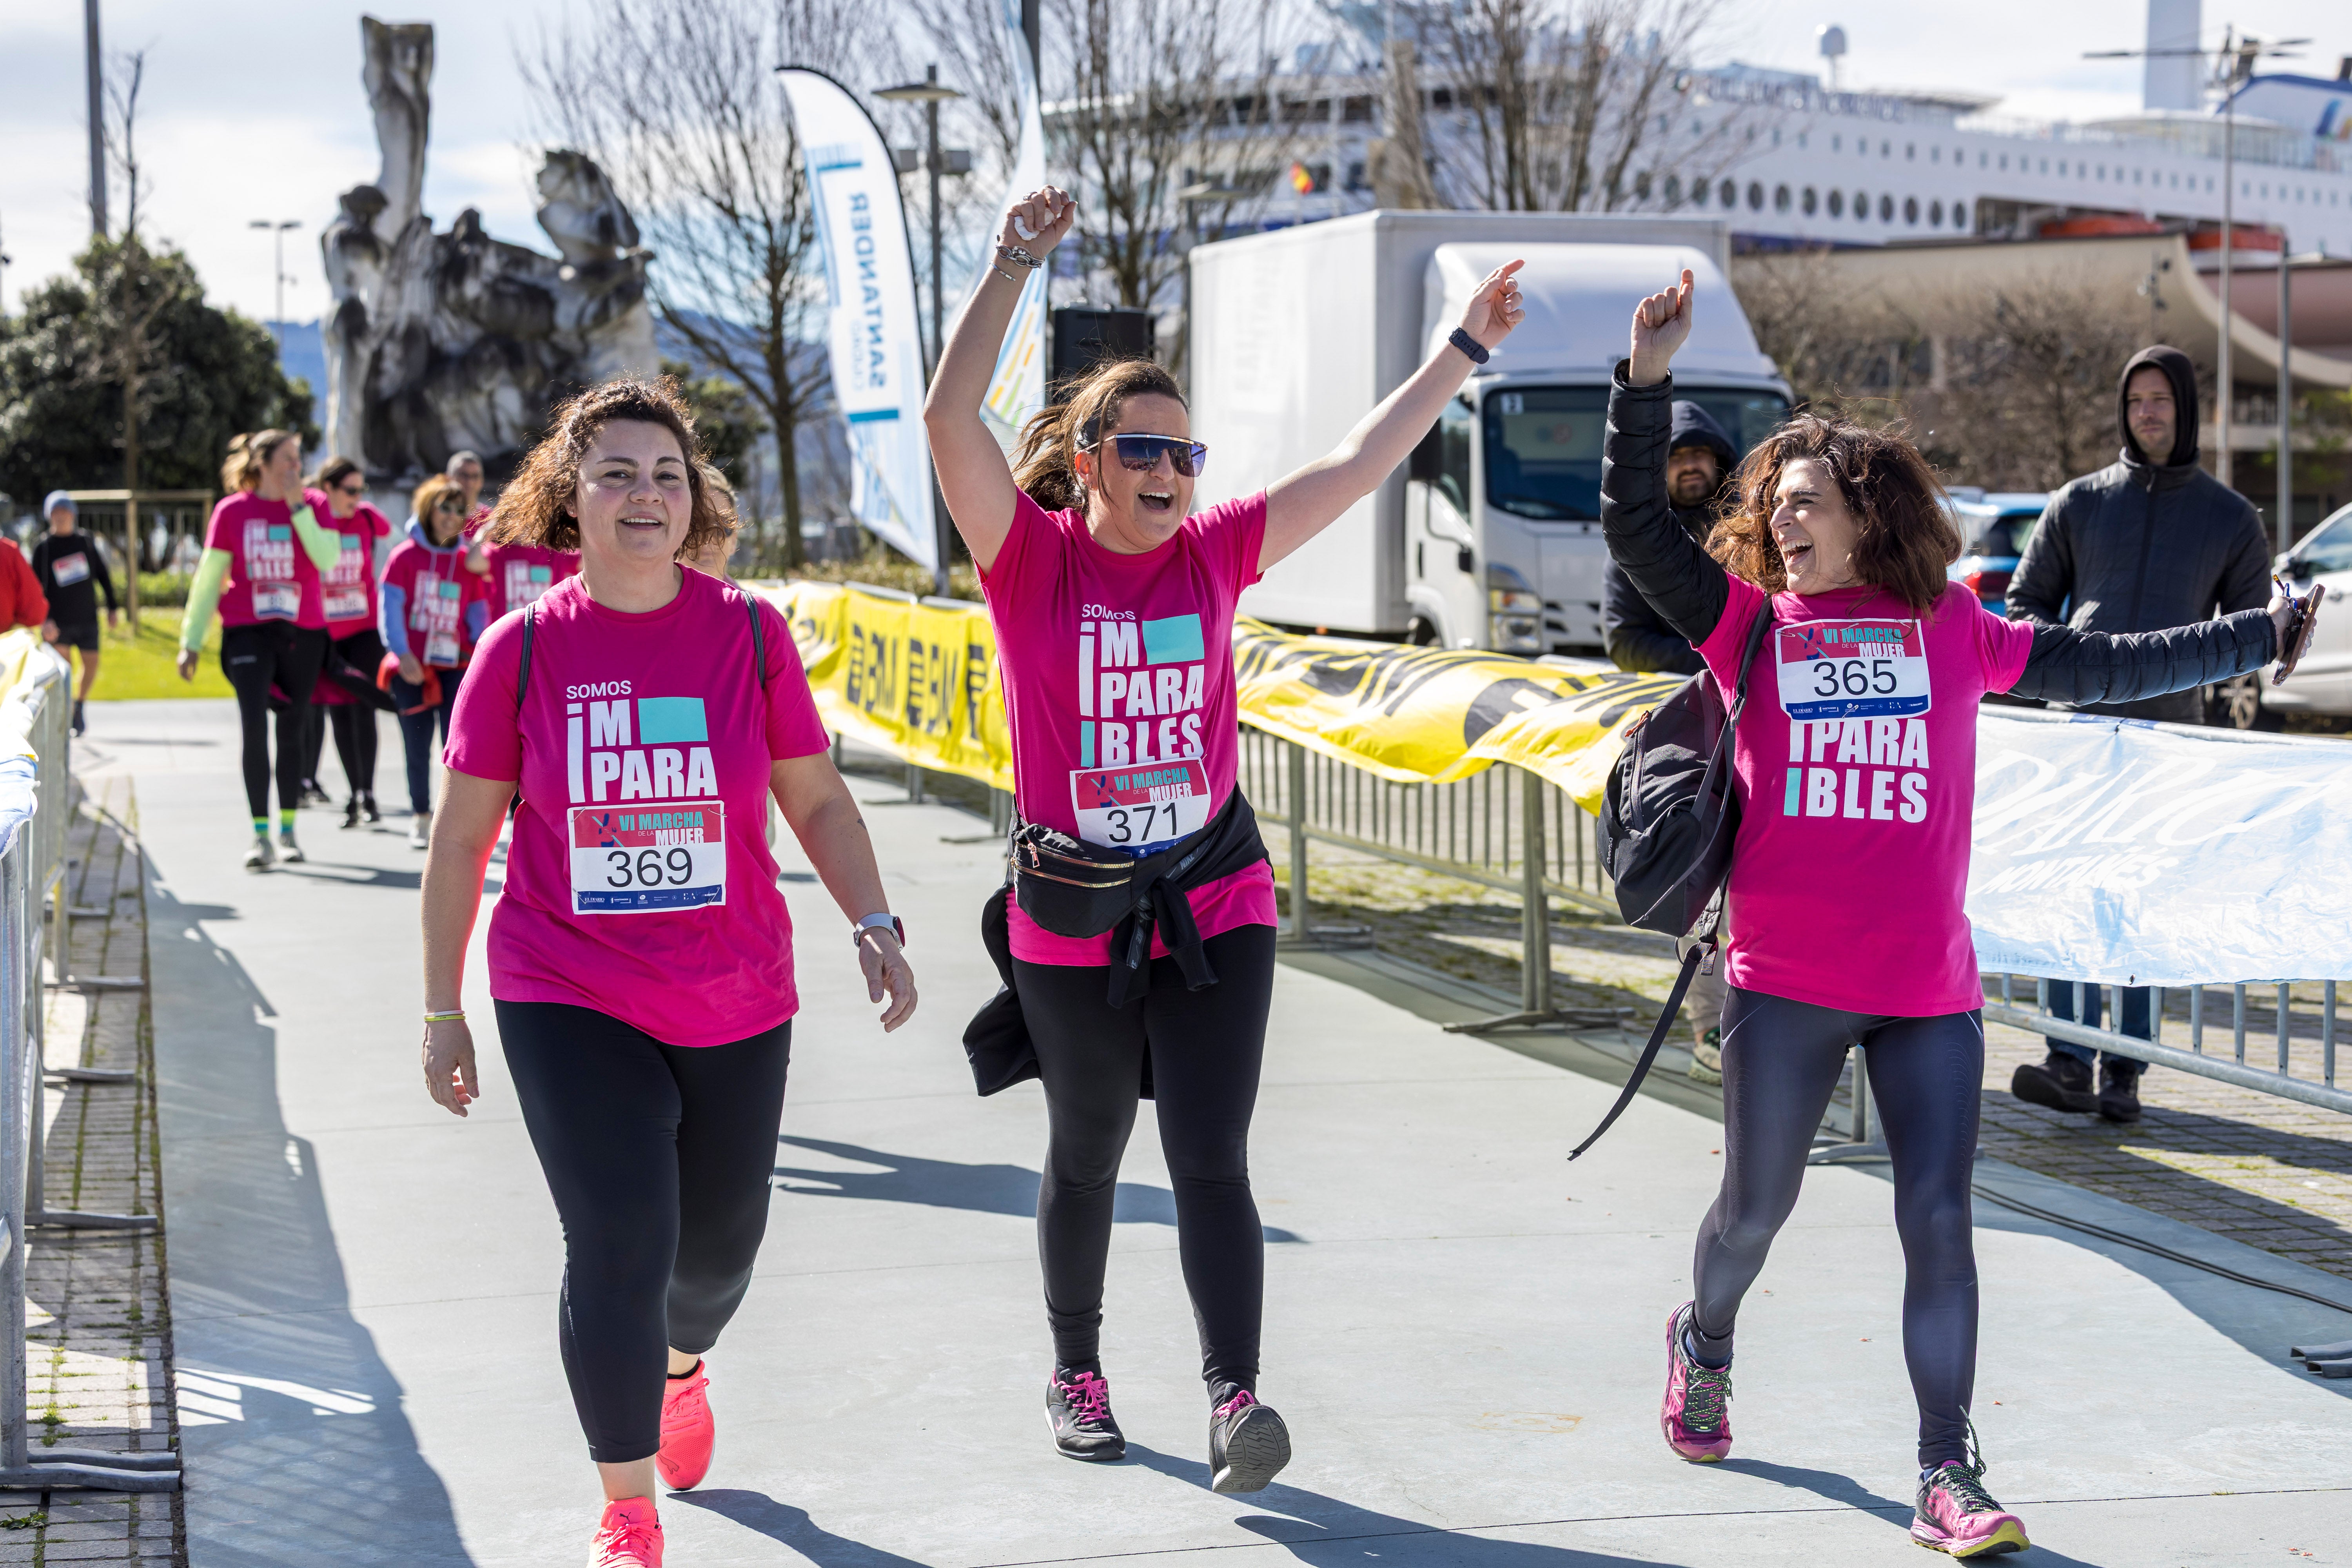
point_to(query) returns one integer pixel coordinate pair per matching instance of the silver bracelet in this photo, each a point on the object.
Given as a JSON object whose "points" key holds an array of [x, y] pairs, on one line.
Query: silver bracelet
{"points": [[1019, 256]]}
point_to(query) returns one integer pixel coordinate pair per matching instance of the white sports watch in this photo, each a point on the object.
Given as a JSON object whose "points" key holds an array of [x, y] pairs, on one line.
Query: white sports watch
{"points": [[891, 923]]}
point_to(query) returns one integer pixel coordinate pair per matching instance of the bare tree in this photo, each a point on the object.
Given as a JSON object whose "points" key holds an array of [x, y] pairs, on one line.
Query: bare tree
{"points": [[1852, 355], [1559, 105], [1145, 97], [2029, 402], [678, 100], [128, 271]]}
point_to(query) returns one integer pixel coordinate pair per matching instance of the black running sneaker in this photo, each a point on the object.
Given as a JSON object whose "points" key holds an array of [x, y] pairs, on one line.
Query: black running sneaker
{"points": [[1077, 1407], [1248, 1445]]}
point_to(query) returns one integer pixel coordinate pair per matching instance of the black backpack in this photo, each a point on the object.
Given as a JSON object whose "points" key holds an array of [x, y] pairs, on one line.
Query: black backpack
{"points": [[1668, 818]]}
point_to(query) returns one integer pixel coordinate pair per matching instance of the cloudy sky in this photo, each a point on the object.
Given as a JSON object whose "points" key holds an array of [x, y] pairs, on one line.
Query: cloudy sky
{"points": [[254, 109]]}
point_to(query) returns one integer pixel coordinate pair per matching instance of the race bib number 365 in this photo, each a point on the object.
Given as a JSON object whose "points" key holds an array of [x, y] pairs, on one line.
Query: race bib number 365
{"points": [[645, 860], [1851, 670], [1140, 808]]}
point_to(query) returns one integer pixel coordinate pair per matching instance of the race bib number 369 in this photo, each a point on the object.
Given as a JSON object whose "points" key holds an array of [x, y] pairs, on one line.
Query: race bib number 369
{"points": [[1851, 670], [646, 859], [1142, 807]]}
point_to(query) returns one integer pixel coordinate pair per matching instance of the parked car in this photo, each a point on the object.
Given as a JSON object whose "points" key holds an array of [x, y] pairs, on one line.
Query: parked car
{"points": [[2322, 685], [1994, 526]]}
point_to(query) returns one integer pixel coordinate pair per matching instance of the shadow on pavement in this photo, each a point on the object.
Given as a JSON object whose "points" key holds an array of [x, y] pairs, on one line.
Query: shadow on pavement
{"points": [[1820, 1483], [297, 1450], [945, 1184], [792, 1526], [1321, 1529]]}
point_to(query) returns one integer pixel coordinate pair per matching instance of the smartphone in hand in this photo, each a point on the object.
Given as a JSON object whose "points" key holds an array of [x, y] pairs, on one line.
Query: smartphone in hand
{"points": [[2297, 641]]}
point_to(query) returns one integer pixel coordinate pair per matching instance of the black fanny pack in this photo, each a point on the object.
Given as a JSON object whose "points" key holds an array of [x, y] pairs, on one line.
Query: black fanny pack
{"points": [[1074, 888]]}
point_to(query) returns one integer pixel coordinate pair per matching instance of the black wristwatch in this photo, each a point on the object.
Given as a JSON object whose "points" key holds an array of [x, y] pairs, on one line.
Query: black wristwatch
{"points": [[1468, 345]]}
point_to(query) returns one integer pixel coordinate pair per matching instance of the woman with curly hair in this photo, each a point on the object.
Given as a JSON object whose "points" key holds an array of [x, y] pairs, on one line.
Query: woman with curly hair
{"points": [[432, 610], [1854, 762], [640, 960]]}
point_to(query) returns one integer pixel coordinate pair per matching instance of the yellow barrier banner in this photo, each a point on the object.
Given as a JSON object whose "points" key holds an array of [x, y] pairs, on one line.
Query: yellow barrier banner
{"points": [[1433, 715], [919, 679], [916, 679]]}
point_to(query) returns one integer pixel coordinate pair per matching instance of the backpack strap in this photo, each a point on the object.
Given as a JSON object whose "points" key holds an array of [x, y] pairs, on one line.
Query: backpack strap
{"points": [[522, 667], [758, 641]]}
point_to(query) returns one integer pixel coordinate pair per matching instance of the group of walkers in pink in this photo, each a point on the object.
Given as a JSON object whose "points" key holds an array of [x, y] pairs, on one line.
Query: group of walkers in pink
{"points": [[628, 726]]}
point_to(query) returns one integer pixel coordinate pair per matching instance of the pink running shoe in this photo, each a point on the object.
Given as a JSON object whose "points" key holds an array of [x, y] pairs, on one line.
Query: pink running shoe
{"points": [[688, 1433], [1956, 1515], [629, 1537], [1692, 1415]]}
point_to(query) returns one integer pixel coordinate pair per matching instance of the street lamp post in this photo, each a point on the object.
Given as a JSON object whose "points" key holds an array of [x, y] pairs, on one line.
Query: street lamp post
{"points": [[2234, 65], [930, 94], [278, 236]]}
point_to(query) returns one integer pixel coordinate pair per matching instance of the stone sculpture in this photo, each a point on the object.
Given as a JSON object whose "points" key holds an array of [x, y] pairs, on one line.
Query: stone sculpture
{"points": [[450, 341]]}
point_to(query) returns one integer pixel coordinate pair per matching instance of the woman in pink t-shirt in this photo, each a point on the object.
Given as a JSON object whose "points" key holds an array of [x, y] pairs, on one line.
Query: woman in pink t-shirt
{"points": [[264, 551], [1854, 762], [641, 955], [1114, 606], [347, 697]]}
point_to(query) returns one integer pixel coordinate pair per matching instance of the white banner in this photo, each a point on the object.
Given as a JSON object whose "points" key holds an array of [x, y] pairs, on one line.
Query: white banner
{"points": [[877, 336], [2135, 854], [1018, 389]]}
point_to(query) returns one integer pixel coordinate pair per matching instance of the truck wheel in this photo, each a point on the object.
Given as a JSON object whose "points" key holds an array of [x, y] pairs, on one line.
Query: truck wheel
{"points": [[2237, 704], [1421, 633]]}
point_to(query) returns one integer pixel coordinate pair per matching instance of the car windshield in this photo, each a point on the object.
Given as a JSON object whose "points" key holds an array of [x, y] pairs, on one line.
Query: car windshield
{"points": [[2329, 548], [1543, 443], [2004, 536]]}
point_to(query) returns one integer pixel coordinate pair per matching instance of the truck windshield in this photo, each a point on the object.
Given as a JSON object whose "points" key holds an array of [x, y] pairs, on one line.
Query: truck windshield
{"points": [[1543, 443]]}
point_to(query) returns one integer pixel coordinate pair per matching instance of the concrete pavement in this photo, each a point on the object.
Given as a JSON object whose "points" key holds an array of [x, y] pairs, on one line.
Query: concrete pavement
{"points": [[1463, 1330]]}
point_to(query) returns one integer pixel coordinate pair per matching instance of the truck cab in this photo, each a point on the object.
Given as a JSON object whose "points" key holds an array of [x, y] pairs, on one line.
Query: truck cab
{"points": [[1489, 537], [1502, 502]]}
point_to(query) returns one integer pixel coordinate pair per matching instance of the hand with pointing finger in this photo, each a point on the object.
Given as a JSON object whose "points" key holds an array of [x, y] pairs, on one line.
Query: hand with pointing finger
{"points": [[1496, 306], [1662, 324]]}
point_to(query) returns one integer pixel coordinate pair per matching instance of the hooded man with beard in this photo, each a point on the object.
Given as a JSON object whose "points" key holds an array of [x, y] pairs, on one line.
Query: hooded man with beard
{"points": [[1700, 460], [2150, 541]]}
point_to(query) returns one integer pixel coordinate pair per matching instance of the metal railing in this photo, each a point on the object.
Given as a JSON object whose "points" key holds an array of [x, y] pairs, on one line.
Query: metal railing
{"points": [[2265, 1014], [36, 800], [1479, 830]]}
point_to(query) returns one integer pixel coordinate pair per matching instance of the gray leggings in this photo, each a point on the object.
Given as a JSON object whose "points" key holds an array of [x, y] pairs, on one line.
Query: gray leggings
{"points": [[1781, 1062]]}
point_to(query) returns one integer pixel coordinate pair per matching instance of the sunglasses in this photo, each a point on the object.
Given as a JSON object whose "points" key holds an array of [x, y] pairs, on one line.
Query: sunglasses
{"points": [[458, 506], [1142, 454], [354, 491]]}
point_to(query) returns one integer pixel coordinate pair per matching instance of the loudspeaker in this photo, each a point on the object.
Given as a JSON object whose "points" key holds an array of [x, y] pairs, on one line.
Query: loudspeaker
{"points": [[1085, 337]]}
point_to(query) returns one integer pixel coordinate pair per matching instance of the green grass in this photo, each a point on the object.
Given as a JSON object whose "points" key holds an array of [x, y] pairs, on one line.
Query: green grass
{"points": [[145, 665]]}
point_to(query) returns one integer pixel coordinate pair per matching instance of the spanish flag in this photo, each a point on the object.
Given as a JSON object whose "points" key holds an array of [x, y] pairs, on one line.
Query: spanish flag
{"points": [[1301, 181]]}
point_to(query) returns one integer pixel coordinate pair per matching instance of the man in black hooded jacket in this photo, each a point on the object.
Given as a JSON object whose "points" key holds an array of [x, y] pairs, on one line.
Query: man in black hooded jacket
{"points": [[1700, 460], [2148, 541]]}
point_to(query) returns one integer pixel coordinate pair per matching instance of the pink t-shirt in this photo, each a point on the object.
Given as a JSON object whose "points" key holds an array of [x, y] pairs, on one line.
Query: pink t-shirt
{"points": [[271, 575], [520, 573], [437, 587], [348, 588], [639, 880], [1856, 766], [1118, 684]]}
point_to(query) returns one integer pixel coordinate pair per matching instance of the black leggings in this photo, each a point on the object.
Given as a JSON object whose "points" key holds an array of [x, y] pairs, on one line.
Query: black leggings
{"points": [[660, 1159], [1205, 1048], [354, 657], [254, 658], [1781, 1062]]}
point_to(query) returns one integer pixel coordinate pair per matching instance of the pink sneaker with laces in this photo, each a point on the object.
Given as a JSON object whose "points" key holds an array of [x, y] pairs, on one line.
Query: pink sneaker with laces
{"points": [[630, 1536], [1692, 1415], [1956, 1515], [687, 1432]]}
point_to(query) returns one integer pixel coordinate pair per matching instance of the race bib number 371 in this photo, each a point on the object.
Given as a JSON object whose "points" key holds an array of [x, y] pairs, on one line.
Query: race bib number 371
{"points": [[1851, 670], [646, 859], [1142, 807]]}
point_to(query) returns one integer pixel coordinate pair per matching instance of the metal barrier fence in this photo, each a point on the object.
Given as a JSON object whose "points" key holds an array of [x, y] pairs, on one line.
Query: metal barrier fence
{"points": [[36, 800], [1480, 830]]}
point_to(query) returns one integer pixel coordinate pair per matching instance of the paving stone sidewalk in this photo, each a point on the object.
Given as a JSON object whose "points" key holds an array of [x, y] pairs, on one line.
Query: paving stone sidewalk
{"points": [[2271, 1173], [98, 1309]]}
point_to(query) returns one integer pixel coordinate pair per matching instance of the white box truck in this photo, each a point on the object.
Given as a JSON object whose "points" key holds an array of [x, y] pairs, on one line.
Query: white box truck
{"points": [[1490, 537]]}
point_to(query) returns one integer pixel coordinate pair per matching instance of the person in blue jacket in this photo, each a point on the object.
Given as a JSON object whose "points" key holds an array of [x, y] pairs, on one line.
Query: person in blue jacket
{"points": [[435, 604]]}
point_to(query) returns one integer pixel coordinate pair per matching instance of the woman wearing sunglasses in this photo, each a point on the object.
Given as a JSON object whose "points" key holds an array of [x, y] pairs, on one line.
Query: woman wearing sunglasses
{"points": [[434, 607], [1114, 606], [346, 699]]}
